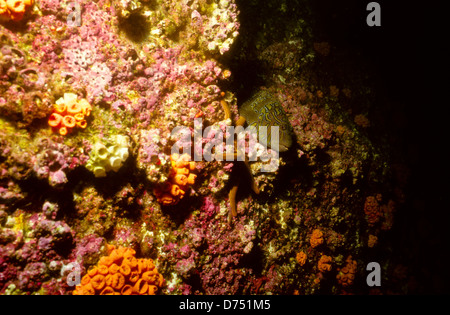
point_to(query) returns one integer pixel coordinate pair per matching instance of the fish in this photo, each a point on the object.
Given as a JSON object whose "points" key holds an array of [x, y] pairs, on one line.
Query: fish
{"points": [[264, 109]]}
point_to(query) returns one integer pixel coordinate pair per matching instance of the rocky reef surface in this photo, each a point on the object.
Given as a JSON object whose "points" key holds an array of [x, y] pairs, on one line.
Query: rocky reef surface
{"points": [[146, 67]]}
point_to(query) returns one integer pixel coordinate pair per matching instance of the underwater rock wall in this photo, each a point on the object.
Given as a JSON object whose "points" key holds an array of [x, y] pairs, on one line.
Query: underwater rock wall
{"points": [[146, 67]]}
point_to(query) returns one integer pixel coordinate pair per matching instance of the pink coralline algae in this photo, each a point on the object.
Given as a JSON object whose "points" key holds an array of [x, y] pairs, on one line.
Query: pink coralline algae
{"points": [[23, 98], [83, 63], [196, 88], [150, 158], [221, 273], [54, 160], [219, 31], [10, 194], [146, 68], [87, 249], [31, 255]]}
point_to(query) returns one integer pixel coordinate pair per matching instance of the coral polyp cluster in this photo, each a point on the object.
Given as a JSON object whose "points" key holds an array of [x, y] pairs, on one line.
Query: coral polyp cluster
{"points": [[106, 157], [346, 274], [121, 273], [316, 238], [88, 119], [324, 263], [301, 257], [14, 9], [68, 113], [180, 179]]}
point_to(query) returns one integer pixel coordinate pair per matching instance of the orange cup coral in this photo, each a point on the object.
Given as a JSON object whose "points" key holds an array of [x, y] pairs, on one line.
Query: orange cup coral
{"points": [[324, 263], [372, 240], [180, 178], [121, 273], [346, 274], [69, 112], [3, 8], [14, 9], [372, 209], [316, 238], [301, 258]]}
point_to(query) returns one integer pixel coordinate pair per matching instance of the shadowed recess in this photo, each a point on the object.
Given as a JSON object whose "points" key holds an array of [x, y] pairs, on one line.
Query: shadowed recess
{"points": [[136, 27]]}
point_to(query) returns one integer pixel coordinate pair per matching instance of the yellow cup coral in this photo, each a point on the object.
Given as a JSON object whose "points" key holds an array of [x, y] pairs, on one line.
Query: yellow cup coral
{"points": [[180, 178], [3, 8], [108, 156], [69, 112], [121, 273]]}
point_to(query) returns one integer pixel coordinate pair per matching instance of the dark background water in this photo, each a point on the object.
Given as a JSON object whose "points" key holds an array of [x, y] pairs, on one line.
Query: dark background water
{"points": [[409, 53], [407, 57]]}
